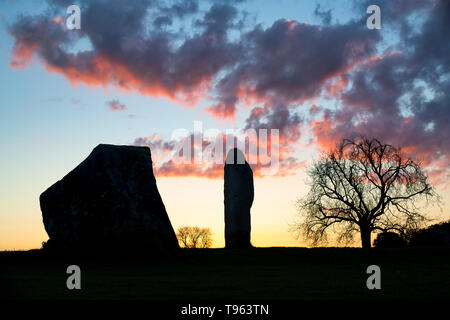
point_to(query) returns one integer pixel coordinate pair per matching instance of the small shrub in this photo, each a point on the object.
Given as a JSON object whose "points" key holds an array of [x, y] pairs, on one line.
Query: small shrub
{"points": [[389, 240], [194, 237]]}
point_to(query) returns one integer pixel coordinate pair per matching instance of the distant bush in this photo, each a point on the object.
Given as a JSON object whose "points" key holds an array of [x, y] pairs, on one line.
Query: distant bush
{"points": [[389, 240], [52, 246], [194, 237], [44, 245], [437, 235]]}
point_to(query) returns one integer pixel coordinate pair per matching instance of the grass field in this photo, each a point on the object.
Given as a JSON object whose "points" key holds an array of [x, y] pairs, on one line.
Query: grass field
{"points": [[216, 274]]}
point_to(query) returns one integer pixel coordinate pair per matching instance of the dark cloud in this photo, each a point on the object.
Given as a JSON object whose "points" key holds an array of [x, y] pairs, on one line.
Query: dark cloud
{"points": [[219, 19], [115, 105], [128, 54], [288, 59], [403, 97], [397, 90], [162, 21], [324, 15], [181, 8], [291, 61]]}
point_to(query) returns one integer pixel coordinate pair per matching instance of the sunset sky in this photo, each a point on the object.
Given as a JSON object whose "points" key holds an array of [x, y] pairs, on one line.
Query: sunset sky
{"points": [[137, 71]]}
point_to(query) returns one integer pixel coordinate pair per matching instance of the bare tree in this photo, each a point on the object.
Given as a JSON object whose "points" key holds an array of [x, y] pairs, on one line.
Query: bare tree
{"points": [[363, 186], [183, 234], [194, 237], [206, 238]]}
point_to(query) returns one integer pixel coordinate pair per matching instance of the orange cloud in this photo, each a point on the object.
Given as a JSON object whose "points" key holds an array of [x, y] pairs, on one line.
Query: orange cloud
{"points": [[22, 54]]}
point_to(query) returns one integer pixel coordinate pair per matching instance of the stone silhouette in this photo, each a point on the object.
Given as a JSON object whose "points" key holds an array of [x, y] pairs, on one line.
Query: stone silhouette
{"points": [[109, 201], [239, 193]]}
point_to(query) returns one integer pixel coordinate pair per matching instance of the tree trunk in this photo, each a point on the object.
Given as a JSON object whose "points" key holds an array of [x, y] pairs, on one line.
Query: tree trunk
{"points": [[365, 237]]}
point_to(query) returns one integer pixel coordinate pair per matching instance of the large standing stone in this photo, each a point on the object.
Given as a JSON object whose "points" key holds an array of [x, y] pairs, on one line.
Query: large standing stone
{"points": [[238, 192], [108, 201]]}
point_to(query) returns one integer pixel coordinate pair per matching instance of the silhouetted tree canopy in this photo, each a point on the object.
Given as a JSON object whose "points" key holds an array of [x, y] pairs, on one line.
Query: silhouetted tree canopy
{"points": [[389, 240], [436, 235], [194, 237], [363, 186]]}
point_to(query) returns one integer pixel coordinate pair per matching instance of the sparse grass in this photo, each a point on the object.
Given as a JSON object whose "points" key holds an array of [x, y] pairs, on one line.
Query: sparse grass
{"points": [[257, 273]]}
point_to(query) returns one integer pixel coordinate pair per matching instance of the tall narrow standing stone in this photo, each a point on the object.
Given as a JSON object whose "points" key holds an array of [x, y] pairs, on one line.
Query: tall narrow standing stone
{"points": [[238, 192]]}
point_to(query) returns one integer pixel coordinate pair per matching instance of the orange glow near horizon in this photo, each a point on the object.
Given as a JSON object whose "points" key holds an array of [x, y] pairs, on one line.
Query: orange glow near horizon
{"points": [[192, 202]]}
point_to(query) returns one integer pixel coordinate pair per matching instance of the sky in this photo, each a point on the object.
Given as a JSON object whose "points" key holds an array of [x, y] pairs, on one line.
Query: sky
{"points": [[138, 71]]}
